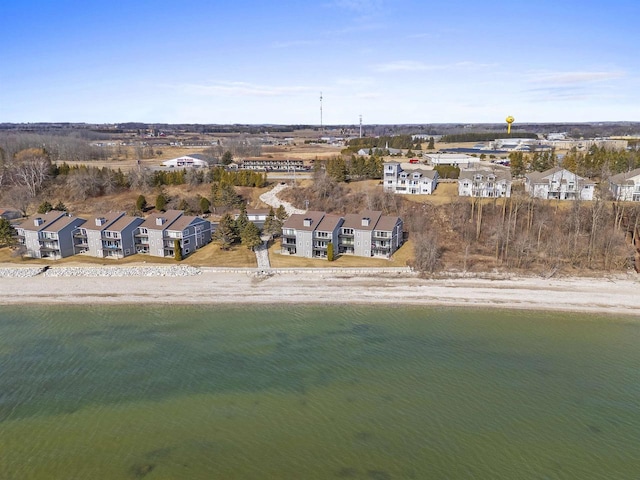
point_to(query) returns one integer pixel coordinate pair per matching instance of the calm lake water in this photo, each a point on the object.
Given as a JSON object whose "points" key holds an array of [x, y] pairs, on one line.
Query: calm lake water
{"points": [[317, 393]]}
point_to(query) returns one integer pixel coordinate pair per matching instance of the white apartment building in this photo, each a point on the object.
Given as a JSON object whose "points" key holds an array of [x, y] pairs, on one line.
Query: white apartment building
{"points": [[408, 178]]}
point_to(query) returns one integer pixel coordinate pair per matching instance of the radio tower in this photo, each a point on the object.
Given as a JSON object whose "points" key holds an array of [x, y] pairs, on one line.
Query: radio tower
{"points": [[321, 129], [360, 126]]}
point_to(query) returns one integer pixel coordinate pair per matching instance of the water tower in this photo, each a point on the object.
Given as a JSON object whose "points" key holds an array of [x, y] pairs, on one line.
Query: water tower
{"points": [[509, 120]]}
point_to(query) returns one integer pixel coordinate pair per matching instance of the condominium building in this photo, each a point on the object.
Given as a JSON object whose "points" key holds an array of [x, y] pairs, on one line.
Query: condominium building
{"points": [[558, 183], [49, 235], [408, 178], [158, 233], [484, 183], [626, 186], [368, 234], [107, 236]]}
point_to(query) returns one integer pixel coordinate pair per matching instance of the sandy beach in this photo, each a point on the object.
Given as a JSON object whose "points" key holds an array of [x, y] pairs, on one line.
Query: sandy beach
{"points": [[619, 294]]}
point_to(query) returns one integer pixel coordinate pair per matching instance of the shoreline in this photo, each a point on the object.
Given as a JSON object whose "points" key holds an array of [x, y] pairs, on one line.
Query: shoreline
{"points": [[616, 294]]}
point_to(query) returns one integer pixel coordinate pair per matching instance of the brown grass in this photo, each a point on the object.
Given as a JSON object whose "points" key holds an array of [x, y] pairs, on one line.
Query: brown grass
{"points": [[208, 256], [212, 256], [399, 259]]}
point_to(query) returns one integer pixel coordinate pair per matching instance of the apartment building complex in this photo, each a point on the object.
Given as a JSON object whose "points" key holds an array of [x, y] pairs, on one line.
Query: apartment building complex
{"points": [[48, 235], [626, 186], [113, 235], [408, 178], [484, 183], [158, 233], [107, 236], [560, 184], [368, 234]]}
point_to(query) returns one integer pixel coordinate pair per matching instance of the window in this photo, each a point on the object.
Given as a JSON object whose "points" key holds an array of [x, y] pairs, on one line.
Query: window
{"points": [[186, 241]]}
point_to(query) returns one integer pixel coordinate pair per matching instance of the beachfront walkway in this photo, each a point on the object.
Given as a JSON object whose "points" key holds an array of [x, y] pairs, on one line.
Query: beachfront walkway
{"points": [[262, 254]]}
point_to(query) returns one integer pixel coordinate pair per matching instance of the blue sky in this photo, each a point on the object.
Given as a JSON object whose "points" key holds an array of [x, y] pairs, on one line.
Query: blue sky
{"points": [[403, 61]]}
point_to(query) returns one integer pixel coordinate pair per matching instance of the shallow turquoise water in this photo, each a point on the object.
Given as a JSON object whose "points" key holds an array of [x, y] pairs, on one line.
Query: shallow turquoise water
{"points": [[317, 393]]}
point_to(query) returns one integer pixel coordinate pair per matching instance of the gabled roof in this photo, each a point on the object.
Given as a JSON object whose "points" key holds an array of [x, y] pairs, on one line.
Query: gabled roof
{"points": [[124, 222], [543, 177], [103, 221], [387, 223], [296, 221], [183, 222], [329, 223], [625, 178], [168, 217], [354, 220], [62, 223], [499, 174], [46, 219]]}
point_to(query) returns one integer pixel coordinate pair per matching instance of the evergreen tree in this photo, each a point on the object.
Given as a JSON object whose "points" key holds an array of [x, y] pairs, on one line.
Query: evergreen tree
{"points": [[45, 207], [271, 225], [177, 250], [432, 144], [250, 236], [330, 254], [281, 214], [225, 235], [141, 203], [243, 220], [204, 205], [517, 164], [337, 169], [7, 233], [227, 158], [61, 207], [161, 203]]}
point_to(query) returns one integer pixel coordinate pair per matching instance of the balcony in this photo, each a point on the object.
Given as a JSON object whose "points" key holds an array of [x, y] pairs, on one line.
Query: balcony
{"points": [[289, 241], [381, 234]]}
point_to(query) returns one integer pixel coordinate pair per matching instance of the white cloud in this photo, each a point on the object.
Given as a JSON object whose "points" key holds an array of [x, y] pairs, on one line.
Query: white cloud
{"points": [[413, 66], [569, 78]]}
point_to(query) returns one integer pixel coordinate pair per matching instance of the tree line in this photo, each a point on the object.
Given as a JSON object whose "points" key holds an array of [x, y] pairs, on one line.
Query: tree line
{"points": [[597, 162], [484, 136], [517, 233], [394, 141]]}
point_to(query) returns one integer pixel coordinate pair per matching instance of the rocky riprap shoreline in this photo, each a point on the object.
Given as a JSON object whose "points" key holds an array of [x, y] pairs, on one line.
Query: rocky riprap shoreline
{"points": [[20, 272], [146, 271]]}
